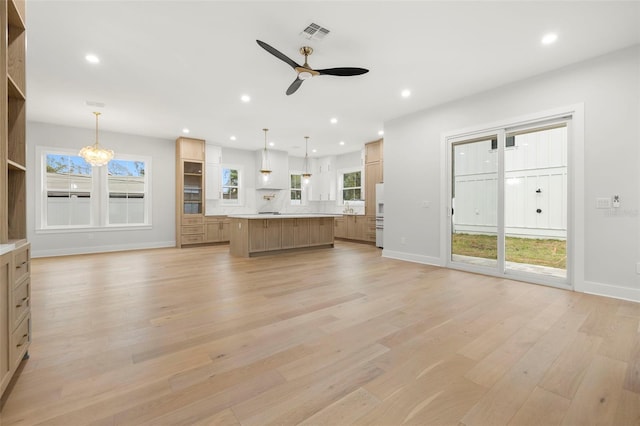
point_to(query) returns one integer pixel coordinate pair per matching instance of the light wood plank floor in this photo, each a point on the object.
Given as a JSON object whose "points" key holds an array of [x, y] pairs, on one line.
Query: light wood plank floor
{"points": [[325, 337]]}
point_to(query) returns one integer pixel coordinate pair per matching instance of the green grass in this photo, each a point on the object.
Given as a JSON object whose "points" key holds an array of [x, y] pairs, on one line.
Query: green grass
{"points": [[529, 251]]}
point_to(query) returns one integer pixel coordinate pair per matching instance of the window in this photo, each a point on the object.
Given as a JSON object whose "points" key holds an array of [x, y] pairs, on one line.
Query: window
{"points": [[296, 189], [126, 185], [230, 185], [77, 195], [351, 186], [68, 185]]}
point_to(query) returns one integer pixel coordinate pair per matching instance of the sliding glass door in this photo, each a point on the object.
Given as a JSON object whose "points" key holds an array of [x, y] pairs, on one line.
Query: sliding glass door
{"points": [[509, 202], [474, 201]]}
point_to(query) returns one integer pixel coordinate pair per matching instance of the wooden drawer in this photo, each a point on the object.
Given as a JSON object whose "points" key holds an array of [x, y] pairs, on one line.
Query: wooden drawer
{"points": [[21, 303], [20, 340], [195, 229], [192, 238], [21, 260], [194, 220]]}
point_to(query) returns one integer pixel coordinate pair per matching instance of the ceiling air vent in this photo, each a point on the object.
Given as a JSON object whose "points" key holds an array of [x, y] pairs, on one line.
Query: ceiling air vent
{"points": [[314, 32], [95, 104]]}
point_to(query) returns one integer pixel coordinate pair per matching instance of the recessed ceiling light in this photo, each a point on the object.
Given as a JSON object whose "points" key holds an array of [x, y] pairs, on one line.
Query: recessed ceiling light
{"points": [[233, 138], [245, 98], [314, 150], [405, 93], [380, 132], [185, 130], [272, 143], [549, 38], [341, 142], [91, 58], [334, 120]]}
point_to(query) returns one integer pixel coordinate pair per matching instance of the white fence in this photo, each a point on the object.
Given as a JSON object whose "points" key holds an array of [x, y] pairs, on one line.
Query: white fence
{"points": [[535, 186]]}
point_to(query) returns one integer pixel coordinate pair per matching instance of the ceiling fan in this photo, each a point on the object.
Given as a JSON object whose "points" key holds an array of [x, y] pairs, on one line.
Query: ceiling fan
{"points": [[305, 71]]}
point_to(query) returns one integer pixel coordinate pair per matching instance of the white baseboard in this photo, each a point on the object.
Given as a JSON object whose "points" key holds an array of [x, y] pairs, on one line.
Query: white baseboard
{"points": [[100, 249], [410, 257], [608, 290]]}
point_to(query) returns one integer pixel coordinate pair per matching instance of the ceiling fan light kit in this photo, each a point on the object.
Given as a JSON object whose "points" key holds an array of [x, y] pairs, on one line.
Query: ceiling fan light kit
{"points": [[304, 71]]}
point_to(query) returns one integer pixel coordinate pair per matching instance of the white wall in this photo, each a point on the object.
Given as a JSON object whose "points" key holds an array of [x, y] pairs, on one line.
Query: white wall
{"points": [[162, 230], [609, 87]]}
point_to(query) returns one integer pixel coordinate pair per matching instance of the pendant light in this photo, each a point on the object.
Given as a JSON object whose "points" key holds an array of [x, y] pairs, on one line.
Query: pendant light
{"points": [[95, 155], [306, 175], [264, 167]]}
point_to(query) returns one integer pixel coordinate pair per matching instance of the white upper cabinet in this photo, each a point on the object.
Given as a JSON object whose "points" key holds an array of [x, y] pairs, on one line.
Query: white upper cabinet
{"points": [[213, 157], [322, 186]]}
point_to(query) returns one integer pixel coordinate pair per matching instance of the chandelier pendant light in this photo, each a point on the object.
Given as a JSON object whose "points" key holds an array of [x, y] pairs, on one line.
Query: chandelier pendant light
{"points": [[306, 175], [95, 155], [264, 167]]}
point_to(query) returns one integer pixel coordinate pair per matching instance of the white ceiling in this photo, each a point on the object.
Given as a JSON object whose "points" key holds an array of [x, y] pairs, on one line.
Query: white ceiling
{"points": [[166, 65]]}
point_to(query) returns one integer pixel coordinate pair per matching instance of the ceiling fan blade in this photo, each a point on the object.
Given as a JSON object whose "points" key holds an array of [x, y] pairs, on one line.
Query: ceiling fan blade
{"points": [[294, 86], [344, 71], [277, 54]]}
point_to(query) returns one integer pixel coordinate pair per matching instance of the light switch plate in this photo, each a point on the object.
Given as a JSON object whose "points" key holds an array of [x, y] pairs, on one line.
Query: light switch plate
{"points": [[603, 203]]}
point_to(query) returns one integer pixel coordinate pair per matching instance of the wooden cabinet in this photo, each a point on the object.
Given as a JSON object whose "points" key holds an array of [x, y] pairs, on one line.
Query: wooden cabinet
{"points": [[190, 149], [5, 329], [265, 235], [320, 231], [295, 233], [373, 152], [251, 237], [15, 260], [217, 229], [355, 227], [190, 188], [15, 310], [340, 227], [373, 174]]}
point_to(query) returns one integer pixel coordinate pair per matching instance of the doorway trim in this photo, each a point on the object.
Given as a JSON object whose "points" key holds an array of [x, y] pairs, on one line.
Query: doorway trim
{"points": [[575, 191]]}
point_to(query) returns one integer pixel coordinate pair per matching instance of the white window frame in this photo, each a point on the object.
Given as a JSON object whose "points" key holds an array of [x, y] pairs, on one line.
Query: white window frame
{"points": [[99, 195], [147, 191], [340, 196], [303, 189], [240, 200]]}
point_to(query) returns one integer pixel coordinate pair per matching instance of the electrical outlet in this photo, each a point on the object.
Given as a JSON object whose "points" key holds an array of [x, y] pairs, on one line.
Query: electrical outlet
{"points": [[616, 201], [426, 204]]}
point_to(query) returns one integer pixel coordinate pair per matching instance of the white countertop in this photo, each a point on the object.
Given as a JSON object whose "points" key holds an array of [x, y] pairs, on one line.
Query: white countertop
{"points": [[282, 216]]}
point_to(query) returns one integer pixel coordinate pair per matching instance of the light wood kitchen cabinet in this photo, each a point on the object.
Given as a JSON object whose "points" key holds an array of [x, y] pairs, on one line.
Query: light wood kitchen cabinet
{"points": [[295, 233], [5, 329], [253, 236], [320, 231], [373, 152], [190, 149], [190, 186], [355, 227], [372, 176], [15, 260], [265, 235], [217, 229], [340, 227]]}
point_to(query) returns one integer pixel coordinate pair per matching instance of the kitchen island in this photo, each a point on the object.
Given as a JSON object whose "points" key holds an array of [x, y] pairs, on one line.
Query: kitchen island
{"points": [[260, 234]]}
